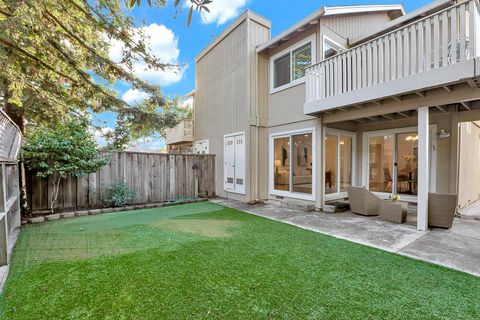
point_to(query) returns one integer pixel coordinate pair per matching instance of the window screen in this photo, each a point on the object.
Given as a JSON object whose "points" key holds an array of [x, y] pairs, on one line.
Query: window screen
{"points": [[301, 59], [282, 70]]}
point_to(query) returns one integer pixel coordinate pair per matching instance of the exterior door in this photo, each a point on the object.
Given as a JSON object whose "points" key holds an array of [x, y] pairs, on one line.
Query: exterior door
{"points": [[240, 163], [339, 162], [229, 158], [234, 162], [390, 162]]}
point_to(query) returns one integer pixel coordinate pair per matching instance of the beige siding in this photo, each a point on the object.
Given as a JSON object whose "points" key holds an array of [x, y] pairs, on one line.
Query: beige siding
{"points": [[349, 26], [257, 115], [468, 168], [285, 107], [225, 96]]}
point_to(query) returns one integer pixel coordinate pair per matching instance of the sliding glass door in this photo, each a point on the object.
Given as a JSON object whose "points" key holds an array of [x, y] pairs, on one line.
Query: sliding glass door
{"points": [[339, 154], [293, 164], [391, 161]]}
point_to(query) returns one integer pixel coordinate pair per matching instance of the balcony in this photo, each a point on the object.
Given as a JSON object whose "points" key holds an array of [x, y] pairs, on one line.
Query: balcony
{"points": [[181, 133], [434, 51]]}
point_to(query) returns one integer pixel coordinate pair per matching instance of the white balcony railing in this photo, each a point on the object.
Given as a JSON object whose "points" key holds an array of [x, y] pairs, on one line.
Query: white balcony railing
{"points": [[444, 38], [183, 132]]}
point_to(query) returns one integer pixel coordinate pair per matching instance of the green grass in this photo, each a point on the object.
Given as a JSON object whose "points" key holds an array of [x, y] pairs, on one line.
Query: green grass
{"points": [[203, 261]]}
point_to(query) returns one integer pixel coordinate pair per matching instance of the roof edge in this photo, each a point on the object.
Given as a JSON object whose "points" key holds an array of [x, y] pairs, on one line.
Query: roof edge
{"points": [[247, 14], [330, 11]]}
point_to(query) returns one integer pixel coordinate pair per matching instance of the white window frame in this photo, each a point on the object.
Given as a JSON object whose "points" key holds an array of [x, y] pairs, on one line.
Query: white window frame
{"points": [[432, 158], [335, 43], [337, 133], [309, 39], [225, 136], [271, 162]]}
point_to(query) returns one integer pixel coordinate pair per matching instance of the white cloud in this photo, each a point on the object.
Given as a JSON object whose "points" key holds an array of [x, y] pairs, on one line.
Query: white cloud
{"points": [[187, 103], [221, 11], [163, 45], [132, 96], [99, 134], [152, 143]]}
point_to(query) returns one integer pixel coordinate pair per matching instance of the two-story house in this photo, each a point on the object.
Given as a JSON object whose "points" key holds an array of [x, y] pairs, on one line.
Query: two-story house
{"points": [[348, 96]]}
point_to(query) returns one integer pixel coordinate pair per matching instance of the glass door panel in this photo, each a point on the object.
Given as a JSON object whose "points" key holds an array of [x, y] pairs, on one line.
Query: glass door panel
{"points": [[407, 155], [331, 155], [302, 163], [345, 163], [381, 158], [281, 150]]}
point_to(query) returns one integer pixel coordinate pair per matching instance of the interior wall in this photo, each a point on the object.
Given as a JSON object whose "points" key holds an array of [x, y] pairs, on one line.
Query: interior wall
{"points": [[468, 168]]}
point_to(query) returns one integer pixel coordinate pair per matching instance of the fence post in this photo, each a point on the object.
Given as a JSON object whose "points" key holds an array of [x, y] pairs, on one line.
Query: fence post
{"points": [[3, 218]]}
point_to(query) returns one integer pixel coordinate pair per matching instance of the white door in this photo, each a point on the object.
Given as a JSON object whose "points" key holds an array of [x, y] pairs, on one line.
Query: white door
{"points": [[229, 162], [234, 162], [240, 163]]}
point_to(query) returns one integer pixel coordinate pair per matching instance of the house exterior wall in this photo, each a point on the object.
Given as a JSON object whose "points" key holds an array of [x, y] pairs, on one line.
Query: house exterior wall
{"points": [[285, 107], [468, 168], [225, 94]]}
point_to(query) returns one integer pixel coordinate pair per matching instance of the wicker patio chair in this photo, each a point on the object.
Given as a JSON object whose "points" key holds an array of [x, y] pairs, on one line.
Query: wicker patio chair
{"points": [[441, 209], [363, 202]]}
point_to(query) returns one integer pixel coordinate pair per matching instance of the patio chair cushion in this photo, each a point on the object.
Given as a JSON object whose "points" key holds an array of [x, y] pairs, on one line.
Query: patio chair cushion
{"points": [[441, 209], [363, 202]]}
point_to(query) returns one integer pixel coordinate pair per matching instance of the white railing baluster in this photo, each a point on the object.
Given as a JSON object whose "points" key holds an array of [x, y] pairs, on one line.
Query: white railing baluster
{"points": [[463, 32], [428, 44], [421, 48], [406, 53], [381, 61], [413, 51], [436, 42], [446, 37], [453, 36], [444, 44]]}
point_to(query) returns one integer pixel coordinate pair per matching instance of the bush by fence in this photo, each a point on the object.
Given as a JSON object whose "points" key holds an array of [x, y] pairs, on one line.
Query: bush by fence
{"points": [[153, 177]]}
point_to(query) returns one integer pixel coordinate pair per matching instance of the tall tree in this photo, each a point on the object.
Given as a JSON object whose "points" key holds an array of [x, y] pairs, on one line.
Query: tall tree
{"points": [[55, 63]]}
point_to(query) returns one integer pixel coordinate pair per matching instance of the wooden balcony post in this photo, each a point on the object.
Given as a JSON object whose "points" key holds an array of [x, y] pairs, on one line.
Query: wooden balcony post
{"points": [[423, 168]]}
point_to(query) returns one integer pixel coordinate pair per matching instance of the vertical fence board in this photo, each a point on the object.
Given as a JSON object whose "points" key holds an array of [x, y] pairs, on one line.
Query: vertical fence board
{"points": [[153, 177]]}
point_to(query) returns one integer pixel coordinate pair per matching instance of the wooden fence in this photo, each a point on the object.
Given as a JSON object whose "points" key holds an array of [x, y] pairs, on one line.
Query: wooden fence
{"points": [[153, 177], [10, 139]]}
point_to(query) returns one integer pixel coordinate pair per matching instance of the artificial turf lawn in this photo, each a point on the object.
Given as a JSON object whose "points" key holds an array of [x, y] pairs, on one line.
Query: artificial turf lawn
{"points": [[203, 261]]}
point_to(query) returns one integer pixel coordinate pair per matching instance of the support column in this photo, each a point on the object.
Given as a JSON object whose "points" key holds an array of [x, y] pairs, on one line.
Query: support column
{"points": [[319, 166], [423, 168]]}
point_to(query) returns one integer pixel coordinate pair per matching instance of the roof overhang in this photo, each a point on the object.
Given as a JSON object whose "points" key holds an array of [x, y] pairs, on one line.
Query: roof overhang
{"points": [[395, 10]]}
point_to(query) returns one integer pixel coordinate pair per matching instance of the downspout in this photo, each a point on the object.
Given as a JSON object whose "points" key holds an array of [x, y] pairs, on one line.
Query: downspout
{"points": [[257, 134]]}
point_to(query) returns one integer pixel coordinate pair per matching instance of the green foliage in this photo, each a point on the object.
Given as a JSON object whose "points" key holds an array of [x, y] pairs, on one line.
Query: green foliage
{"points": [[118, 194], [68, 148], [54, 57]]}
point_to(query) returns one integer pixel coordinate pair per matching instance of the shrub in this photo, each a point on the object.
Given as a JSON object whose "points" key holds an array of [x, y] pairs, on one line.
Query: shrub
{"points": [[118, 194]]}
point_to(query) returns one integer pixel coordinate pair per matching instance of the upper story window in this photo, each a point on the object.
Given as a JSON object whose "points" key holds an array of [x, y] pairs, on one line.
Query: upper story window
{"points": [[288, 67], [331, 48]]}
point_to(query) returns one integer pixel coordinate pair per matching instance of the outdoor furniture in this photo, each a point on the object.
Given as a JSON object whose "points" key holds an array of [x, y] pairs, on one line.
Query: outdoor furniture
{"points": [[393, 211], [441, 209], [363, 202]]}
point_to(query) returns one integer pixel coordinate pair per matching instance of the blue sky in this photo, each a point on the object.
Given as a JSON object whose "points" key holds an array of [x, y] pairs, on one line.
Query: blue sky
{"points": [[174, 42]]}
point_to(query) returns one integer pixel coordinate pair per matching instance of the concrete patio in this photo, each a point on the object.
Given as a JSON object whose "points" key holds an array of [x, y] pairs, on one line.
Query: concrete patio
{"points": [[456, 248]]}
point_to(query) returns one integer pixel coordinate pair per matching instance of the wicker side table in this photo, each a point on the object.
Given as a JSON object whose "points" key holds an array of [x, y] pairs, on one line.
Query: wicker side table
{"points": [[393, 212]]}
